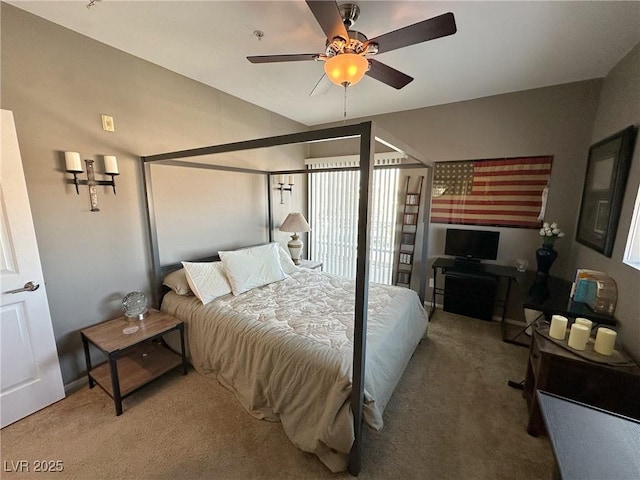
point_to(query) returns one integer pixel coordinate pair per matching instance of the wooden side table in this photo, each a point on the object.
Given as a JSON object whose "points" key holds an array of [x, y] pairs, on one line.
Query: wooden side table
{"points": [[556, 370], [134, 359], [312, 264]]}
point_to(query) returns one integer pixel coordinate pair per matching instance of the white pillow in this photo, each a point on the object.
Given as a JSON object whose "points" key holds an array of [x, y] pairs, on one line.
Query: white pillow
{"points": [[252, 267], [207, 280], [286, 263], [177, 281]]}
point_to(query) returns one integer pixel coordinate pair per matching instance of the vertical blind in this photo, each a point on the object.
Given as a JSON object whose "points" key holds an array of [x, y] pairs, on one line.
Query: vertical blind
{"points": [[333, 214]]}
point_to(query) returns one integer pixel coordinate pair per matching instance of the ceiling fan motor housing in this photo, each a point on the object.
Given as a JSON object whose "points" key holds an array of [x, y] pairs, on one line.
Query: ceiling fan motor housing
{"points": [[357, 44]]}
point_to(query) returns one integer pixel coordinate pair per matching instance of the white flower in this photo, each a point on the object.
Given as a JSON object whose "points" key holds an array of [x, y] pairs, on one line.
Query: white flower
{"points": [[550, 231]]}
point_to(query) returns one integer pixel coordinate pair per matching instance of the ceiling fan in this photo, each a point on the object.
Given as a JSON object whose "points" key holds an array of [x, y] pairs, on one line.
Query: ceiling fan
{"points": [[348, 53]]}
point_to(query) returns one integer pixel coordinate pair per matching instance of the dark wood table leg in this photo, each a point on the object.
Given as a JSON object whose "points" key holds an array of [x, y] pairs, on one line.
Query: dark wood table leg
{"points": [[184, 354], [115, 383], [433, 291], [536, 422], [87, 358]]}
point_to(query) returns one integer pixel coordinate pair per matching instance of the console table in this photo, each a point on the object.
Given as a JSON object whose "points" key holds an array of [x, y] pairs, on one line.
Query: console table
{"points": [[588, 442], [554, 298]]}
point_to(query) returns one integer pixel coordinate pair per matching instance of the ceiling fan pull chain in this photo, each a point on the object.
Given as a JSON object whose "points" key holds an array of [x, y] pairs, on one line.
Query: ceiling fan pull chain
{"points": [[344, 116]]}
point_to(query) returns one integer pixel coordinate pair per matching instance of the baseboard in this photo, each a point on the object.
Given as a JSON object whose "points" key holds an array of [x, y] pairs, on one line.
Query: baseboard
{"points": [[494, 318], [74, 386]]}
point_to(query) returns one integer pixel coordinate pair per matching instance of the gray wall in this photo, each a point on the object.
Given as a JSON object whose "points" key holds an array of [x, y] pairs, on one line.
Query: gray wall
{"points": [[58, 83], [618, 108]]}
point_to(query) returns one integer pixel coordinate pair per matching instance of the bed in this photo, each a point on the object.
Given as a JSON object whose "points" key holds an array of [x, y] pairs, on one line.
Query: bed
{"points": [[258, 349], [267, 343]]}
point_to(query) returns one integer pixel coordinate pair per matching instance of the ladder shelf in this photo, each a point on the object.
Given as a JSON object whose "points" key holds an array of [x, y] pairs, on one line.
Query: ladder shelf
{"points": [[408, 232]]}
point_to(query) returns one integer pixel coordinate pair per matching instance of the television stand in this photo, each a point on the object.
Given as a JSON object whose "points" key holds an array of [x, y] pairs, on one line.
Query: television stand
{"points": [[464, 263], [476, 288]]}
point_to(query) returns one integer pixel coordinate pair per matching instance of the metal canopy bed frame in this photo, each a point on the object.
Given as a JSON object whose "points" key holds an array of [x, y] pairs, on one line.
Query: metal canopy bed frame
{"points": [[368, 134]]}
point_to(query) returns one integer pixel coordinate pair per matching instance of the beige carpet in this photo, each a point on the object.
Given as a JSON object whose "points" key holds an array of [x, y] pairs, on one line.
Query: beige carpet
{"points": [[452, 417]]}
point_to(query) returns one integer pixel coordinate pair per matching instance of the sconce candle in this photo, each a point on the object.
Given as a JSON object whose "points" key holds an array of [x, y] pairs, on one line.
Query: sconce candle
{"points": [[73, 165], [579, 336], [282, 188], [111, 165], [605, 341], [558, 327], [72, 162]]}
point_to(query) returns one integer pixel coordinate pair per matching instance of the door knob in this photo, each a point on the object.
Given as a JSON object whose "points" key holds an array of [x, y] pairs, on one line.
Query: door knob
{"points": [[28, 287]]}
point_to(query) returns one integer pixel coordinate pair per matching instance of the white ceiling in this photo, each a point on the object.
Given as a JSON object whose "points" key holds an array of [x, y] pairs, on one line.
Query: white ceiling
{"points": [[499, 47]]}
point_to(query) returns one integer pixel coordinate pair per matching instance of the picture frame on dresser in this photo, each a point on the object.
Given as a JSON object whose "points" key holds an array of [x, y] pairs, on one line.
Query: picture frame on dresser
{"points": [[603, 191]]}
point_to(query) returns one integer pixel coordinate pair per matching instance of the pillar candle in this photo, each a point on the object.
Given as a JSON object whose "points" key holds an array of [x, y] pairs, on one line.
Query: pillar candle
{"points": [[558, 327], [587, 323], [72, 162], [578, 336], [111, 165], [281, 179], [290, 179], [605, 341]]}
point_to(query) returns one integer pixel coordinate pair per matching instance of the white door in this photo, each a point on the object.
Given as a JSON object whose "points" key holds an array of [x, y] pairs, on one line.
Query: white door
{"points": [[30, 376]]}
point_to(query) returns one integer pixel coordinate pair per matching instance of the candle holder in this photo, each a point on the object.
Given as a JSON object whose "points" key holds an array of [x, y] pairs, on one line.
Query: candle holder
{"points": [[282, 188], [72, 160]]}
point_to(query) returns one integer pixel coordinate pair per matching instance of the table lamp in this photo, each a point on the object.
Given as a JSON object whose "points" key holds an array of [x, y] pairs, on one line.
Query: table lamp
{"points": [[295, 223]]}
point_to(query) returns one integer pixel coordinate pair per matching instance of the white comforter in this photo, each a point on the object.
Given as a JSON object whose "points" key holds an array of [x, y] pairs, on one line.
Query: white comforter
{"points": [[285, 349]]}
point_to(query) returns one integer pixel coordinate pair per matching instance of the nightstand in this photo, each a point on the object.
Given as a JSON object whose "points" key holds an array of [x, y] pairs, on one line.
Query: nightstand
{"points": [[135, 356], [311, 264]]}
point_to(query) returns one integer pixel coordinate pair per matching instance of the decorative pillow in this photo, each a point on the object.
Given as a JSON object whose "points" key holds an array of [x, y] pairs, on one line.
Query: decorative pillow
{"points": [[177, 281], [207, 280], [252, 267], [286, 263]]}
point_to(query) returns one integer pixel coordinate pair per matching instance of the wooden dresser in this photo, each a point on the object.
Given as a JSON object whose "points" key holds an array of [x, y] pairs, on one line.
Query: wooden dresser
{"points": [[557, 370]]}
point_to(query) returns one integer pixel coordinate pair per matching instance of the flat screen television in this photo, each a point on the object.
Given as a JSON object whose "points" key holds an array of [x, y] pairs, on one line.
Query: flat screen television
{"points": [[471, 245]]}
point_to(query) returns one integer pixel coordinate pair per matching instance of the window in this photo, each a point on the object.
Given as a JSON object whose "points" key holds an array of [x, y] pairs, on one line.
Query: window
{"points": [[333, 214], [632, 251]]}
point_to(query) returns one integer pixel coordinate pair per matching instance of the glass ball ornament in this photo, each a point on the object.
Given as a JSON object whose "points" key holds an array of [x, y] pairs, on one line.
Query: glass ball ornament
{"points": [[134, 305]]}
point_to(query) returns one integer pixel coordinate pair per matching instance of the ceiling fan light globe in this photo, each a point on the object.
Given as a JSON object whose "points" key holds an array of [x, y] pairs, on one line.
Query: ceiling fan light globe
{"points": [[346, 68]]}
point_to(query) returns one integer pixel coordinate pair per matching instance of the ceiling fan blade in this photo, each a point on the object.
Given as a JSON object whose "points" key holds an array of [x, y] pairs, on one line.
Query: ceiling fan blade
{"points": [[435, 27], [388, 75], [328, 17], [283, 58], [321, 87]]}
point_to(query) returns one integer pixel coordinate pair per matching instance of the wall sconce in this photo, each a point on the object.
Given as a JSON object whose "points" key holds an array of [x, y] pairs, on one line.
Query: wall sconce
{"points": [[74, 165], [282, 188]]}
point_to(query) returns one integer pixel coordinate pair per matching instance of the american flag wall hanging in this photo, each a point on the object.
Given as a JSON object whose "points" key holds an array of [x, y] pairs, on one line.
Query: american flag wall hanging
{"points": [[498, 192]]}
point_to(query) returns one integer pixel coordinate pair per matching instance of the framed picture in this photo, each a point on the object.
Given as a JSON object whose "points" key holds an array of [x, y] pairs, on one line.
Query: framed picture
{"points": [[603, 191]]}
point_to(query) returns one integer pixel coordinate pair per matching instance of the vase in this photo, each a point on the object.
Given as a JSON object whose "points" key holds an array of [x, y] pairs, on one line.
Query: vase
{"points": [[545, 256]]}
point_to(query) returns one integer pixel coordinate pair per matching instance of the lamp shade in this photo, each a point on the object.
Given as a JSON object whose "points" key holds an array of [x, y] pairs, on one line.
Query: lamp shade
{"points": [[294, 223], [346, 68]]}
